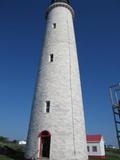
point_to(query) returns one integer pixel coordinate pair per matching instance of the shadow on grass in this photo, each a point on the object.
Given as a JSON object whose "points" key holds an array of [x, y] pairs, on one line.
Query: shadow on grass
{"points": [[11, 153]]}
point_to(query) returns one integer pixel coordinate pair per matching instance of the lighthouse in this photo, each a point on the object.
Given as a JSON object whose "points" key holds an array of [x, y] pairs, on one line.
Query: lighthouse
{"points": [[57, 127]]}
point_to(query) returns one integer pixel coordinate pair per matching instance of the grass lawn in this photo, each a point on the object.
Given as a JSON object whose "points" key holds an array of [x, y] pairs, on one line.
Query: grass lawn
{"points": [[5, 158], [111, 158], [11, 151], [112, 154], [16, 152]]}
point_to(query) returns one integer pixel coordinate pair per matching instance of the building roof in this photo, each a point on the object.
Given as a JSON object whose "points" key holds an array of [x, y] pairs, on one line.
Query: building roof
{"points": [[94, 138], [65, 1]]}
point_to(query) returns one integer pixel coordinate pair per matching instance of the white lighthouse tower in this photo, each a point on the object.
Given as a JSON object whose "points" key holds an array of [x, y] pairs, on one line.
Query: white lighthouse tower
{"points": [[57, 127]]}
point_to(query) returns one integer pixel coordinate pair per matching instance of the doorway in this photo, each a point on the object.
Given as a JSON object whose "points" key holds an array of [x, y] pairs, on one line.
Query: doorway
{"points": [[45, 138]]}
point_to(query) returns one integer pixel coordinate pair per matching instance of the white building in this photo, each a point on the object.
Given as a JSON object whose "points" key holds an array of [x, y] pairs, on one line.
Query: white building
{"points": [[95, 145], [22, 142], [57, 127]]}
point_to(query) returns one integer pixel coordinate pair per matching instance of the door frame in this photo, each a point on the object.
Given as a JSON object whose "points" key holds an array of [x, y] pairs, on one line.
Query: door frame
{"points": [[43, 134]]}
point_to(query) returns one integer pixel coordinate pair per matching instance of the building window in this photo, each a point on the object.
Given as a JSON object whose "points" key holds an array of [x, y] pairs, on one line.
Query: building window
{"points": [[88, 148], [47, 106], [51, 57], [54, 25], [94, 148]]}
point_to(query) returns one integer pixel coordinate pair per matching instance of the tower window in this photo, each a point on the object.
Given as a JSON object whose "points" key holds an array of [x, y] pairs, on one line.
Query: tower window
{"points": [[47, 106], [88, 148], [51, 57], [94, 148], [54, 25]]}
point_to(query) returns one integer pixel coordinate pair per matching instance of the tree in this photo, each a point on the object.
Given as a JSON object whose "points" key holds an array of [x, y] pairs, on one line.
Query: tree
{"points": [[3, 139], [15, 141]]}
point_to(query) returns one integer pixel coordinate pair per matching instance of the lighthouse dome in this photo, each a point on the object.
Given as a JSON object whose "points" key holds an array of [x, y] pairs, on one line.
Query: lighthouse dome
{"points": [[64, 1]]}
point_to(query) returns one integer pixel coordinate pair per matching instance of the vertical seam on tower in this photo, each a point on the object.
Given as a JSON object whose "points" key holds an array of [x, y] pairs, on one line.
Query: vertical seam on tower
{"points": [[71, 89]]}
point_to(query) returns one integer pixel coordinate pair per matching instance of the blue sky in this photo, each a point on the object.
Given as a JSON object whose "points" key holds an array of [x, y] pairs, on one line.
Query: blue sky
{"points": [[22, 24]]}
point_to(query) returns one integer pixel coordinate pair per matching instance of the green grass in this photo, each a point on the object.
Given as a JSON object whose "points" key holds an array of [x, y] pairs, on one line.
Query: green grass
{"points": [[14, 151], [110, 158], [5, 158], [18, 152], [111, 154], [13, 146], [113, 158]]}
